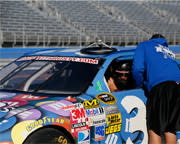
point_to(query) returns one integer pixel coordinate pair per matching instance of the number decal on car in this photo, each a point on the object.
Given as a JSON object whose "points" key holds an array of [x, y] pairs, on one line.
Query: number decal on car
{"points": [[137, 123]]}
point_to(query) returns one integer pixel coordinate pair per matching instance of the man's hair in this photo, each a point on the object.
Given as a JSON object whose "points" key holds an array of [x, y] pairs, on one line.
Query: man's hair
{"points": [[157, 36]]}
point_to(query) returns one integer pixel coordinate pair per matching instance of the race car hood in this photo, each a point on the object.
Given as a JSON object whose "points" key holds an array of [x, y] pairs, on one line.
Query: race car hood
{"points": [[32, 107]]}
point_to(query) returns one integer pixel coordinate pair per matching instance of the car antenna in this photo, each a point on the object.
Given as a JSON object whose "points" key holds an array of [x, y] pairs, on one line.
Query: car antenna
{"points": [[99, 43], [98, 47]]}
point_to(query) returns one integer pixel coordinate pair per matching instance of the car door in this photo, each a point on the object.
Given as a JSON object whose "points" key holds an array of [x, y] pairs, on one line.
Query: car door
{"points": [[132, 106], [131, 103]]}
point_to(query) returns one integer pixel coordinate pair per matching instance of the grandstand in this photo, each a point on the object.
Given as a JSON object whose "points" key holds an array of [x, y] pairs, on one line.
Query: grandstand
{"points": [[74, 23]]}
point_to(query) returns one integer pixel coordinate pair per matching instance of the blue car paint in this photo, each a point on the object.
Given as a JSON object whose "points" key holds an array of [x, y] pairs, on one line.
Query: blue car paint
{"points": [[126, 134]]}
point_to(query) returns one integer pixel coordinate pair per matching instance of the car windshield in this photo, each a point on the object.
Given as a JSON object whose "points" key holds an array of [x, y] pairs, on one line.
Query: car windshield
{"points": [[48, 74]]}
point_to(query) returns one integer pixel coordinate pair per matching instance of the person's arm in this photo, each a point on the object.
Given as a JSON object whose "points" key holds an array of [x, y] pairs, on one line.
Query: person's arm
{"points": [[138, 66]]}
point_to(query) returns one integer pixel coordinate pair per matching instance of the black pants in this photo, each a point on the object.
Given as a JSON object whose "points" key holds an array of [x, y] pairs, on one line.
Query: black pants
{"points": [[163, 108]]}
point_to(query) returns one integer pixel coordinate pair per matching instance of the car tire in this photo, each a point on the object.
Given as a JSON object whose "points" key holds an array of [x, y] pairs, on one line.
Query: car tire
{"points": [[49, 136]]}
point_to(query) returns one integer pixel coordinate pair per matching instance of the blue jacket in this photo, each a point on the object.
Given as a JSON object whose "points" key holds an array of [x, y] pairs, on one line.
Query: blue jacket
{"points": [[154, 63]]}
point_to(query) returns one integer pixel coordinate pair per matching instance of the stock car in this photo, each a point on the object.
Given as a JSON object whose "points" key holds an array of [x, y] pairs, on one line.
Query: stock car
{"points": [[60, 96]]}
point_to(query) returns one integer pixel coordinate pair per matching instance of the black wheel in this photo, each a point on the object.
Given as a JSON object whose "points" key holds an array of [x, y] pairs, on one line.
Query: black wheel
{"points": [[49, 136]]}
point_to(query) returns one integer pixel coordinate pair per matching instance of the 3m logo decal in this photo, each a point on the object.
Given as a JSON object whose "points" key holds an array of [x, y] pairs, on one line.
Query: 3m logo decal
{"points": [[78, 120], [77, 114]]}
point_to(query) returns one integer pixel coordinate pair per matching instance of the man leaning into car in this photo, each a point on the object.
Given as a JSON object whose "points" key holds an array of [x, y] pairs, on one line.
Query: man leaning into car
{"points": [[155, 66]]}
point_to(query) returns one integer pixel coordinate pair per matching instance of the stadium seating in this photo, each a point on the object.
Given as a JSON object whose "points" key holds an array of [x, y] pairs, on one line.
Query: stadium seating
{"points": [[61, 23], [22, 25]]}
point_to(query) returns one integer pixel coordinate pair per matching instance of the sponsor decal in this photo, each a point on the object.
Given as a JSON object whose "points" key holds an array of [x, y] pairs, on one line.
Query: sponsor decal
{"points": [[113, 129], [69, 107], [76, 125], [56, 107], [32, 114], [77, 115], [14, 103], [113, 119], [96, 116], [74, 59], [111, 109], [29, 97], [62, 140], [106, 98], [94, 111], [78, 119], [97, 122], [91, 104], [114, 123], [8, 105], [84, 137], [71, 99], [18, 110], [19, 131], [44, 121], [99, 132], [73, 106]]}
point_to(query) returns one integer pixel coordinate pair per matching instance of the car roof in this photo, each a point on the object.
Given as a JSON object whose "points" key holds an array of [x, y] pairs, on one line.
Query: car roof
{"points": [[74, 51]]}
